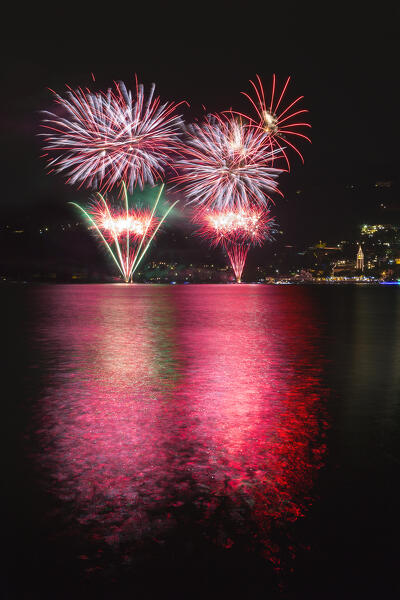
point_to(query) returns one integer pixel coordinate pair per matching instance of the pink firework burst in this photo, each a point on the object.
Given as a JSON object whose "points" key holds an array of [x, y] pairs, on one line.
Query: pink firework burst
{"points": [[228, 165], [105, 138], [236, 231], [278, 119]]}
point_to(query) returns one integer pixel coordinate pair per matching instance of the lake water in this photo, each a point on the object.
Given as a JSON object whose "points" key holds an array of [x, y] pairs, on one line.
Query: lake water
{"points": [[199, 441]]}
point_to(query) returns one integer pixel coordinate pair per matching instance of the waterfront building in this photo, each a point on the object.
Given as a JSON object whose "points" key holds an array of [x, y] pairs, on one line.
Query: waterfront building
{"points": [[360, 259]]}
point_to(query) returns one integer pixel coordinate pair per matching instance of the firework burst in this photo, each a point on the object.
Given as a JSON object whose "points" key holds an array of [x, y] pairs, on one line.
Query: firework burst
{"points": [[279, 120], [228, 165], [125, 232], [106, 138], [236, 231]]}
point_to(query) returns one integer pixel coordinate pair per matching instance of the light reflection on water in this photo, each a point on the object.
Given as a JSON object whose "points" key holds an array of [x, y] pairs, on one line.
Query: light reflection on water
{"points": [[201, 403]]}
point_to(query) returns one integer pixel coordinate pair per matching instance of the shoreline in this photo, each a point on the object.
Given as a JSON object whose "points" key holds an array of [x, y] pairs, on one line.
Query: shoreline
{"points": [[6, 282]]}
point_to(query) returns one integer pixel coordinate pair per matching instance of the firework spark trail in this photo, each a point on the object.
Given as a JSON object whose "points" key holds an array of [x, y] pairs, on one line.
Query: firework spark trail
{"points": [[236, 231], [124, 231], [228, 165], [278, 120], [106, 138], [237, 256]]}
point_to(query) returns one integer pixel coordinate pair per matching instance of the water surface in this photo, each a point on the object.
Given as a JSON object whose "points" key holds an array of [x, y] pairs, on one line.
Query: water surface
{"points": [[201, 440]]}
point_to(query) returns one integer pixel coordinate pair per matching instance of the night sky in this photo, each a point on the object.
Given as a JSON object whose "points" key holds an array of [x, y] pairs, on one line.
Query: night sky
{"points": [[342, 59]]}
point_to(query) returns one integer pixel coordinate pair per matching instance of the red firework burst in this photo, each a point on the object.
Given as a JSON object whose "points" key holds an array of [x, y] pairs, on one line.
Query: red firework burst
{"points": [[116, 223], [106, 138], [276, 118], [228, 165], [236, 231]]}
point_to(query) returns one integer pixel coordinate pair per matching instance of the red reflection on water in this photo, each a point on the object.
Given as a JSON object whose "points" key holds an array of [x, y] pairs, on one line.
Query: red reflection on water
{"points": [[254, 381], [159, 398]]}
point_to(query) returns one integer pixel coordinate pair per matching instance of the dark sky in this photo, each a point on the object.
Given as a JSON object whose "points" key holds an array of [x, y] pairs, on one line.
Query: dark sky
{"points": [[341, 57]]}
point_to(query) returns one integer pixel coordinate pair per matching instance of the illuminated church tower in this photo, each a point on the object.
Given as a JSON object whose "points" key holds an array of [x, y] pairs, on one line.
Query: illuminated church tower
{"points": [[360, 259]]}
